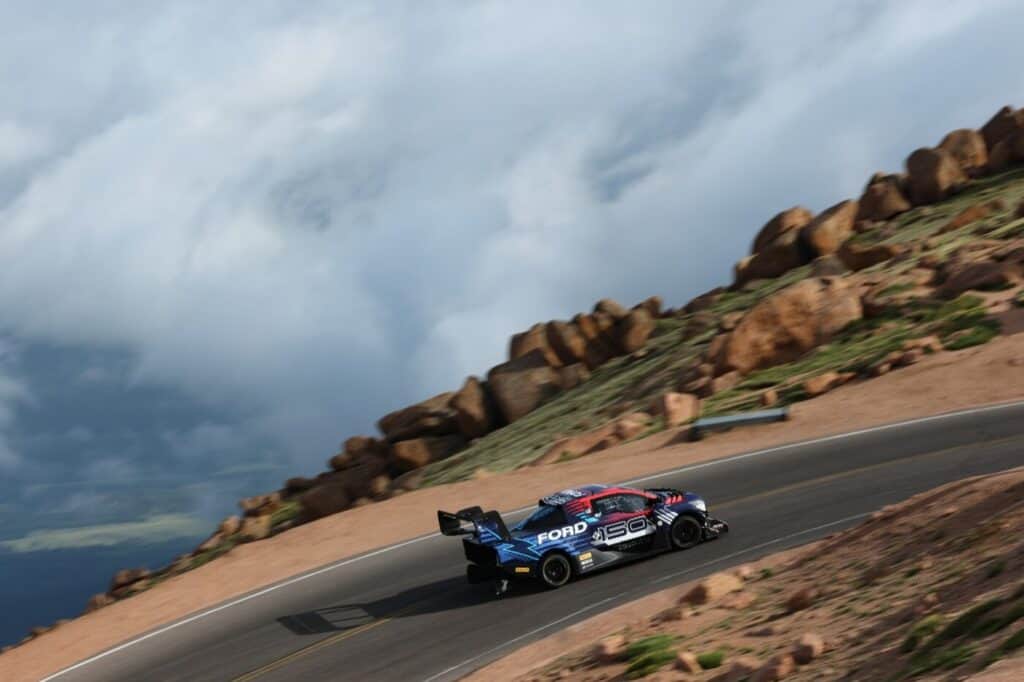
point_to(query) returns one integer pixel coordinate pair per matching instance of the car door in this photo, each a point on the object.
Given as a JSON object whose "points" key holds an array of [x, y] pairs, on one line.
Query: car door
{"points": [[623, 522]]}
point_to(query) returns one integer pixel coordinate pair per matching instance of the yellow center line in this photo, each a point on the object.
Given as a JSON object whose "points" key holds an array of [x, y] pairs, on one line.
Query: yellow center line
{"points": [[323, 643]]}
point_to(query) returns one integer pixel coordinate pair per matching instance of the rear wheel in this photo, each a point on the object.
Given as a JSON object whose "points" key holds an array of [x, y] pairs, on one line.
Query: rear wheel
{"points": [[555, 570], [686, 532]]}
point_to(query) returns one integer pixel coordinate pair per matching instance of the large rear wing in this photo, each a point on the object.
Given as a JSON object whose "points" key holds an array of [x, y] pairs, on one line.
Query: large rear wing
{"points": [[473, 521]]}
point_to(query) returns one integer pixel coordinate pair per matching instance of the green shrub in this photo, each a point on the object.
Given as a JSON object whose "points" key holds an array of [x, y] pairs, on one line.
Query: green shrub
{"points": [[923, 628], [710, 659], [947, 659], [648, 654], [649, 644], [643, 666]]}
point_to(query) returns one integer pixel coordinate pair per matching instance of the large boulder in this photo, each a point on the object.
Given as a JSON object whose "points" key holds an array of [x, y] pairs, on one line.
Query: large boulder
{"points": [[823, 235], [964, 275], [260, 505], [705, 300], [256, 528], [775, 259], [355, 479], [600, 345], [412, 454], [127, 576], [354, 449], [324, 500], [519, 386], [676, 408], [611, 307], [859, 257], [883, 198], [1004, 123], [635, 329], [652, 304], [572, 376], [1008, 151], [790, 220], [432, 417], [567, 342], [475, 411], [968, 148], [933, 175], [789, 323], [533, 339]]}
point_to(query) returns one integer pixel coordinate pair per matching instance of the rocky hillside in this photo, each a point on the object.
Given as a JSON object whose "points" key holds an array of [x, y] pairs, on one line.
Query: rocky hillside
{"points": [[924, 260], [907, 594]]}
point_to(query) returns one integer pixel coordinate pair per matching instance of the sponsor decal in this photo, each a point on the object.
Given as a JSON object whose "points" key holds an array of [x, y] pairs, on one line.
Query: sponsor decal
{"points": [[522, 569], [586, 556], [563, 532], [621, 531]]}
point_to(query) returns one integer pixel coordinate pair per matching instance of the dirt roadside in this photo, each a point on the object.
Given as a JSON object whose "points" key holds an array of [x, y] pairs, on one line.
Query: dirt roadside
{"points": [[947, 381]]}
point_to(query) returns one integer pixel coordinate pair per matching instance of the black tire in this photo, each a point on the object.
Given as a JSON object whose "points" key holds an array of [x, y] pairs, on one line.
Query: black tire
{"points": [[555, 570], [686, 532]]}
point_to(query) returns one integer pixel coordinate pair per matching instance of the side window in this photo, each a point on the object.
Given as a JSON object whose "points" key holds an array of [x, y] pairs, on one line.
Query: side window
{"points": [[619, 504], [545, 517], [634, 503]]}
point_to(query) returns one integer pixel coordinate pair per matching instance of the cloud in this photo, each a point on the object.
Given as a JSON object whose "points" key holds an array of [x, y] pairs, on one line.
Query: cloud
{"points": [[316, 213], [149, 531]]}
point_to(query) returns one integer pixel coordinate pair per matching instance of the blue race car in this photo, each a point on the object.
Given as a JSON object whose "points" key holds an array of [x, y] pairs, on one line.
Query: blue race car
{"points": [[578, 531]]}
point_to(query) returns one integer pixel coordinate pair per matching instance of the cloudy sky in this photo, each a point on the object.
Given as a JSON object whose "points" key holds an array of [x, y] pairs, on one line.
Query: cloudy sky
{"points": [[232, 234]]}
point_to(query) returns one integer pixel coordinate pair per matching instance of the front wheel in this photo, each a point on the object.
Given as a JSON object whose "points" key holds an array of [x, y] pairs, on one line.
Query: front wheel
{"points": [[686, 532], [555, 570]]}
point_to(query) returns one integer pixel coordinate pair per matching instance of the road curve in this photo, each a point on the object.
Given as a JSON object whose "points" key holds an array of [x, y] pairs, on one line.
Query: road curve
{"points": [[406, 613]]}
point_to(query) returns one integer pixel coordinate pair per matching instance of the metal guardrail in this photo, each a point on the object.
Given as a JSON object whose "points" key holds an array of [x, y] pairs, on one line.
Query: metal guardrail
{"points": [[726, 422]]}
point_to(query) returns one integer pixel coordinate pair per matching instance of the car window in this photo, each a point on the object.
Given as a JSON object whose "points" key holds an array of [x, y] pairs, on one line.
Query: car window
{"points": [[546, 516], [613, 504]]}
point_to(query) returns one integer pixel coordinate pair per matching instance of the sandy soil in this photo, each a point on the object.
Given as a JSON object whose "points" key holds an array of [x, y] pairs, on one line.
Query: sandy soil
{"points": [[909, 569], [940, 383]]}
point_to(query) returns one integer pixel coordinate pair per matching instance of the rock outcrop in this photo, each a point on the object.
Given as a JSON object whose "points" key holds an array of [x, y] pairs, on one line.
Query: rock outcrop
{"points": [[475, 412], [788, 324], [968, 149], [432, 417], [883, 198], [933, 175], [823, 235], [521, 385], [784, 222]]}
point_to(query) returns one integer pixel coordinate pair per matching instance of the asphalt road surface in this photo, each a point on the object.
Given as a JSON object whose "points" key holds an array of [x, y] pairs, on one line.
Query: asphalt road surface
{"points": [[406, 613]]}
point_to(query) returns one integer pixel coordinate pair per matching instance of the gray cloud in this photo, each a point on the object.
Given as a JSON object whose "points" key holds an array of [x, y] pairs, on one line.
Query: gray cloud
{"points": [[304, 216]]}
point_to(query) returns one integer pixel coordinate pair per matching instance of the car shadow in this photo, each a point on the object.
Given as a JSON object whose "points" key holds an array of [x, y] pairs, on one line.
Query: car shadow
{"points": [[449, 594]]}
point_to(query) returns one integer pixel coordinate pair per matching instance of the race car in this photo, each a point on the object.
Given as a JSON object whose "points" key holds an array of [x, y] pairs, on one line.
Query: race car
{"points": [[578, 531]]}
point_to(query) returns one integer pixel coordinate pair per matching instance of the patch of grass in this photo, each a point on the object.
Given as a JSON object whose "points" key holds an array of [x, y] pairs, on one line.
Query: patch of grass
{"points": [[981, 334], [925, 627], [711, 659], [648, 655], [766, 573], [995, 568], [1011, 644], [897, 288], [964, 623], [990, 626], [946, 659], [286, 512], [218, 551]]}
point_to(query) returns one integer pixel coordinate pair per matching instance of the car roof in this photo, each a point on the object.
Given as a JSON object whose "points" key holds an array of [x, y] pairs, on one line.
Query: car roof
{"points": [[582, 492]]}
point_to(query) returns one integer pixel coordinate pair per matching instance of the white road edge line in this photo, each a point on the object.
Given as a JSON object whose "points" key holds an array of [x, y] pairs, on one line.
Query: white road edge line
{"points": [[382, 550], [670, 576]]}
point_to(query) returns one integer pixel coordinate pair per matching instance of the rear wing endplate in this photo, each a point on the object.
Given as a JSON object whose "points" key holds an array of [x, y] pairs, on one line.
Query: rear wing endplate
{"points": [[472, 520]]}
